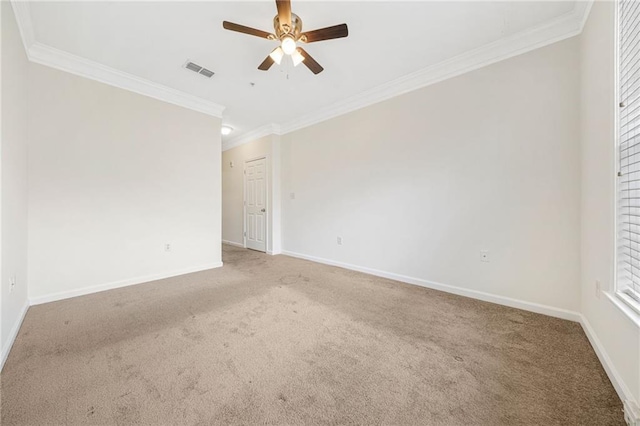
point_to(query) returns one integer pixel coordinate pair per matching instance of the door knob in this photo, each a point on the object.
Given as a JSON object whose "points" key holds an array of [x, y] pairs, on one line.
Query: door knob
{"points": [[263, 210]]}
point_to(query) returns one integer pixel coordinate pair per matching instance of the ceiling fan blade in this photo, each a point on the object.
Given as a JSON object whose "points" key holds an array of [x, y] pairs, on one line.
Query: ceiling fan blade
{"points": [[336, 31], [311, 63], [247, 30], [284, 13], [266, 64]]}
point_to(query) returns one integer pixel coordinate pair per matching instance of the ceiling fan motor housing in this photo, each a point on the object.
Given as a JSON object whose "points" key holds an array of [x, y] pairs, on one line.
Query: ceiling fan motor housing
{"points": [[294, 31]]}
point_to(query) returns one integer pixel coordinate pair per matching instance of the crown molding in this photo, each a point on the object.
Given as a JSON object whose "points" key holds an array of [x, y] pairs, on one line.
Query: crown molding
{"points": [[563, 27], [64, 61], [260, 132], [54, 58], [25, 25], [582, 9]]}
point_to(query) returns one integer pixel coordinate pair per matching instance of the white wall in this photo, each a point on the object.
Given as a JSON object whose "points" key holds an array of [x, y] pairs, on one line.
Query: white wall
{"points": [[419, 184], [619, 337], [113, 177], [13, 188], [233, 190]]}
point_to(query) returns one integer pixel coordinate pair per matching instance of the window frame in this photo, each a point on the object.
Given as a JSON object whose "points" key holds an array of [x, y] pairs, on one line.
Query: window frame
{"points": [[628, 304]]}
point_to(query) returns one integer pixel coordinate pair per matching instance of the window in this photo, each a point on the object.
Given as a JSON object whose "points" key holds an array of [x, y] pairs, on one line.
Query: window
{"points": [[628, 277]]}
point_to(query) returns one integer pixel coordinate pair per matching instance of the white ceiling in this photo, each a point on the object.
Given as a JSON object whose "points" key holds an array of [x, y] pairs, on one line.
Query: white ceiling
{"points": [[387, 40]]}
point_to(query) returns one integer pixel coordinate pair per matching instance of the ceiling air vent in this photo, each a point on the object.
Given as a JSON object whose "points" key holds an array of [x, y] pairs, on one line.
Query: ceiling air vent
{"points": [[206, 73], [200, 70]]}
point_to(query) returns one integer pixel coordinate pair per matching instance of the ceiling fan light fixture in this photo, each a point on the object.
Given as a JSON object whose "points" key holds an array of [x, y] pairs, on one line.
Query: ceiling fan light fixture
{"points": [[288, 45], [226, 130], [297, 57], [277, 55]]}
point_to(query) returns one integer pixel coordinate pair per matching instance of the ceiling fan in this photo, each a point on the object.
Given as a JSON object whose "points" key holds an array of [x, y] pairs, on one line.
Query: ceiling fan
{"points": [[288, 31]]}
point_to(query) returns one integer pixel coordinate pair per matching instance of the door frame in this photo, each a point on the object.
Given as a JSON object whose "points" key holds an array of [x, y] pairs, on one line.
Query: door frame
{"points": [[266, 201]]}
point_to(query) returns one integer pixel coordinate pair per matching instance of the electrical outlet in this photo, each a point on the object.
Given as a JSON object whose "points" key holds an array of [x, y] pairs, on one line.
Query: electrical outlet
{"points": [[339, 241], [292, 195], [167, 247], [12, 283], [484, 256], [598, 289]]}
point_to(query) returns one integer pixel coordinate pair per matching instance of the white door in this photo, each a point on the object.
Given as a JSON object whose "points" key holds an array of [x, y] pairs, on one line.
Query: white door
{"points": [[255, 178]]}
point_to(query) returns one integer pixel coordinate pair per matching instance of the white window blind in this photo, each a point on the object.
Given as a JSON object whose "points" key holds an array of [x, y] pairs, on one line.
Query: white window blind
{"points": [[628, 277]]}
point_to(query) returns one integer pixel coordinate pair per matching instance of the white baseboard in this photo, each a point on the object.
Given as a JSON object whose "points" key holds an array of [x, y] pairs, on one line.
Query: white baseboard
{"points": [[233, 243], [616, 379], [118, 284], [13, 334], [474, 294]]}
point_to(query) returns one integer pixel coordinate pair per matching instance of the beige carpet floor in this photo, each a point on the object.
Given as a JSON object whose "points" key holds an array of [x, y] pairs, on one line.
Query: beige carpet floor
{"points": [[277, 340]]}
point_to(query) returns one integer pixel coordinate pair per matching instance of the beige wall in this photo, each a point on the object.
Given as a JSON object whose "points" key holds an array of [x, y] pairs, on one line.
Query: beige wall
{"points": [[618, 336], [418, 185], [233, 190], [13, 180], [113, 177]]}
